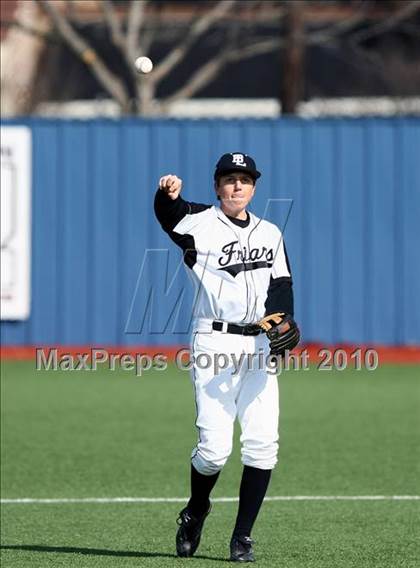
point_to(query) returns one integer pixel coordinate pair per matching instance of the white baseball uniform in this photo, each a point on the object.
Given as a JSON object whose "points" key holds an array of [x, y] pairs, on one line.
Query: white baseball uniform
{"points": [[242, 273]]}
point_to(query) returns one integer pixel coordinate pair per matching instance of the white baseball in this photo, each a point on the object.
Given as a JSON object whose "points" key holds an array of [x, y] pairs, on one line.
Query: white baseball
{"points": [[143, 64]]}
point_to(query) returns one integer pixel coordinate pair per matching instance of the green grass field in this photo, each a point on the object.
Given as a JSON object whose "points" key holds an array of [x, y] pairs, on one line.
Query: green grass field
{"points": [[111, 434]]}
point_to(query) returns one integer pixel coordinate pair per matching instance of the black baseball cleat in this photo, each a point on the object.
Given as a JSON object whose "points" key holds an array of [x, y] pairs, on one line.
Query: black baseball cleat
{"points": [[189, 532], [241, 549]]}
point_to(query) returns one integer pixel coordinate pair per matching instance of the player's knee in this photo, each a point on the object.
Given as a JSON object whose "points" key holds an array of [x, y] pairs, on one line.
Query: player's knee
{"points": [[204, 466], [260, 455], [210, 462]]}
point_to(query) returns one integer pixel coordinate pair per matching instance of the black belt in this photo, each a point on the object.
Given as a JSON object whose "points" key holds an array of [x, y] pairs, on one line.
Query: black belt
{"points": [[234, 328]]}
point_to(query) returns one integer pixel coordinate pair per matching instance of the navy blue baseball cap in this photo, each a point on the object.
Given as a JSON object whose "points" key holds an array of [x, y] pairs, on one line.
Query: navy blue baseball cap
{"points": [[236, 162]]}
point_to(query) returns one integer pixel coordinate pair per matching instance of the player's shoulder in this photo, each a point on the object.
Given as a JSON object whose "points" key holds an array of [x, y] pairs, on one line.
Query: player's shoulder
{"points": [[198, 217], [264, 225], [200, 213]]}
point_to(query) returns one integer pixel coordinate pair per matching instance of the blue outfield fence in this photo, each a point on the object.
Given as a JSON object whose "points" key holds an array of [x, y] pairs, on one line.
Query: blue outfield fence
{"points": [[352, 234]]}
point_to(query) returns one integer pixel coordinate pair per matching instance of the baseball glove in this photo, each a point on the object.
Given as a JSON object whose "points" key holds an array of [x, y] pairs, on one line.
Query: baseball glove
{"points": [[282, 331]]}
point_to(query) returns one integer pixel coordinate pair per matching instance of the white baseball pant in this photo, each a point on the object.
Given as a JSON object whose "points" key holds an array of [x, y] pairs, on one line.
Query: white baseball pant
{"points": [[251, 395]]}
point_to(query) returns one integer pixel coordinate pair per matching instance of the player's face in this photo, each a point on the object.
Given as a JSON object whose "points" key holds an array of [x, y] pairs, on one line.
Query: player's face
{"points": [[235, 191]]}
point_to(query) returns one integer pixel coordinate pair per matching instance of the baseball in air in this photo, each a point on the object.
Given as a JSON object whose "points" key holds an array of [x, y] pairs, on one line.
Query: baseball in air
{"points": [[143, 64]]}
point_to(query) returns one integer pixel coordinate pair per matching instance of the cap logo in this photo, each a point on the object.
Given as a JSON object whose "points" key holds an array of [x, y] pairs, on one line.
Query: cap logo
{"points": [[238, 159]]}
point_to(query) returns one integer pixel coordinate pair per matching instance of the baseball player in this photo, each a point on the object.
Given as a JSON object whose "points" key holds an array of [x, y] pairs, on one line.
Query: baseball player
{"points": [[243, 314]]}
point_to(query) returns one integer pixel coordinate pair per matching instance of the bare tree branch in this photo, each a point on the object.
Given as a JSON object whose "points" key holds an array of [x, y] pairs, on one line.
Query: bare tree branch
{"points": [[407, 10], [82, 48], [117, 34], [214, 66], [135, 21], [146, 40], [197, 30], [113, 24], [209, 71], [372, 58], [202, 77], [265, 46], [333, 31]]}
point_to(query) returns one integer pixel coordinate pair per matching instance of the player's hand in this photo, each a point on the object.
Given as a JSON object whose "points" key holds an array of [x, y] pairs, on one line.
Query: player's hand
{"points": [[282, 332], [171, 185]]}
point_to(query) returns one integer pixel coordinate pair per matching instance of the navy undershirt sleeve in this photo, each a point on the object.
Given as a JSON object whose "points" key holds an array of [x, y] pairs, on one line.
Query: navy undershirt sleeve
{"points": [[280, 296], [169, 213]]}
